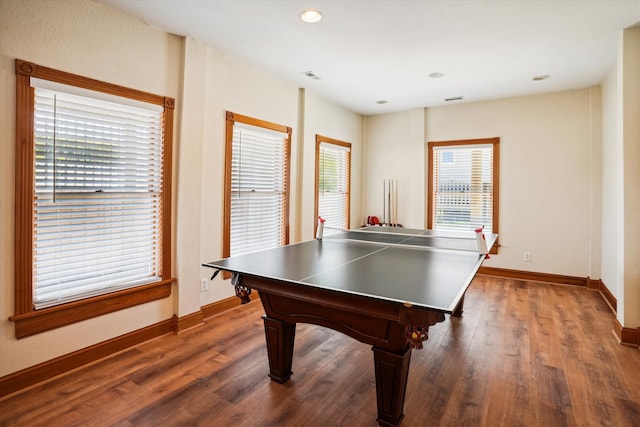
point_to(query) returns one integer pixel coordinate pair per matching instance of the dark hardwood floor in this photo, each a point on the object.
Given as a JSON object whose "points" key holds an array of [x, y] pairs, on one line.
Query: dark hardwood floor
{"points": [[523, 354]]}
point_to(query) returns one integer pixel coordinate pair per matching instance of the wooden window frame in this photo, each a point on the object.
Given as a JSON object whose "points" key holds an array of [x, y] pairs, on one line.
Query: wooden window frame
{"points": [[319, 140], [495, 142], [232, 118], [29, 321]]}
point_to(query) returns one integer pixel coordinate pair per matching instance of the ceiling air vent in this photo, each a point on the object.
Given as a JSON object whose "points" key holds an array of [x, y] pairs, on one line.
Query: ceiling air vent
{"points": [[454, 98], [311, 75]]}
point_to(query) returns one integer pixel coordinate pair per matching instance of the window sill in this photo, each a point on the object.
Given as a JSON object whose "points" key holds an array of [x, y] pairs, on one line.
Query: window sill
{"points": [[494, 249], [37, 321]]}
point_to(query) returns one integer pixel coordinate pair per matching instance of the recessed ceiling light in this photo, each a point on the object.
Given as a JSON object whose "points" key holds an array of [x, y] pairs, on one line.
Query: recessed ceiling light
{"points": [[311, 16], [437, 75], [382, 101], [541, 77]]}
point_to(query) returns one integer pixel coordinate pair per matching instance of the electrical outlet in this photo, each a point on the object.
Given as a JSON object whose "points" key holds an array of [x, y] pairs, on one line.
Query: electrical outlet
{"points": [[204, 285], [526, 256]]}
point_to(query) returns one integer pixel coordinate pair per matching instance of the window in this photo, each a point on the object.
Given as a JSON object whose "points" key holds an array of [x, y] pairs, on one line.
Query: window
{"points": [[463, 185], [333, 178], [447, 157], [256, 185], [93, 198]]}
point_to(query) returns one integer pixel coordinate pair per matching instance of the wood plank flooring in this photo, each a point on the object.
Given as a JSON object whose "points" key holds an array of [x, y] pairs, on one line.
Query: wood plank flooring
{"points": [[523, 354]]}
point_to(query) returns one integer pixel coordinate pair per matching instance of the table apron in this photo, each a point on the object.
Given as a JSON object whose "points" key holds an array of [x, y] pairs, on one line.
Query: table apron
{"points": [[383, 324]]}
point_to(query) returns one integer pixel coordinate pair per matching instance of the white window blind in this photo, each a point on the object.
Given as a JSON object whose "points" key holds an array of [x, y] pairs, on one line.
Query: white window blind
{"points": [[97, 195], [463, 187], [334, 165], [258, 188]]}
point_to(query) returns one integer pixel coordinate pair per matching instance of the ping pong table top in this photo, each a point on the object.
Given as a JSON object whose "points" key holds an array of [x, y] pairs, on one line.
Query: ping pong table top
{"points": [[424, 268]]}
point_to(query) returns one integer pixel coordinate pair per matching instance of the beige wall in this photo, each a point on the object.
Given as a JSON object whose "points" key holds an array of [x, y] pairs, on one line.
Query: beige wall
{"points": [[621, 179], [332, 121], [118, 49], [395, 150], [546, 168], [233, 86], [93, 40], [545, 174], [630, 314], [612, 228], [229, 85]]}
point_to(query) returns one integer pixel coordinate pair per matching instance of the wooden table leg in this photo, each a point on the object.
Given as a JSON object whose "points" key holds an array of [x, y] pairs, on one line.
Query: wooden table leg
{"points": [[458, 310], [280, 337], [391, 370]]}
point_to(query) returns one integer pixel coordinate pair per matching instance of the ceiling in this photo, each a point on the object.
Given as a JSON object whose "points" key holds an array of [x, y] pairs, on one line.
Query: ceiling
{"points": [[384, 50]]}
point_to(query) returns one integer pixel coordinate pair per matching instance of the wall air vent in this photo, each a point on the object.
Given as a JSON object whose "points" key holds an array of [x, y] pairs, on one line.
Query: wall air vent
{"points": [[311, 75]]}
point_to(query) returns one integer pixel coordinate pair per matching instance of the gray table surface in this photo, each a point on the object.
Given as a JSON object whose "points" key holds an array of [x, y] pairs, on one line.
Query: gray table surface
{"points": [[394, 265]]}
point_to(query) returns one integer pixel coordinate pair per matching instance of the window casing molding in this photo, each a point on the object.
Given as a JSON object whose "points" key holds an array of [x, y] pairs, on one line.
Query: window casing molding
{"points": [[29, 321], [231, 119], [495, 143], [346, 145]]}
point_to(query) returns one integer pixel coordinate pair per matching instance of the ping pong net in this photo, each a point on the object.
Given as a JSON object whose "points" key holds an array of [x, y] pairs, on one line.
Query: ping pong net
{"points": [[427, 239]]}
